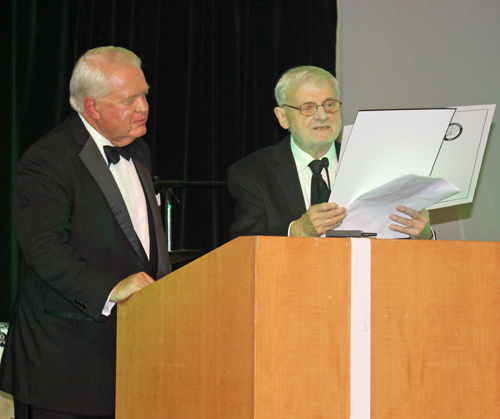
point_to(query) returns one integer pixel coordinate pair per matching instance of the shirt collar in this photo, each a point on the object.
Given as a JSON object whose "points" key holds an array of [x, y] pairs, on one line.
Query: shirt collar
{"points": [[98, 138]]}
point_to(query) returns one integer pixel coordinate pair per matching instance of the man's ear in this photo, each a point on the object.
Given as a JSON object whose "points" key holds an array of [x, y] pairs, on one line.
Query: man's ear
{"points": [[91, 107], [280, 114]]}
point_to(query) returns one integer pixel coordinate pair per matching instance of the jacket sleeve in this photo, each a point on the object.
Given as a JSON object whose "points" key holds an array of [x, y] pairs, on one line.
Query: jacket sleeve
{"points": [[44, 214], [250, 210]]}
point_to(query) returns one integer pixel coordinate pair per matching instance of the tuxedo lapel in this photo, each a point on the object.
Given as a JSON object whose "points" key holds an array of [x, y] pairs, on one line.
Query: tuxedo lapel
{"points": [[147, 184], [93, 160], [285, 172]]}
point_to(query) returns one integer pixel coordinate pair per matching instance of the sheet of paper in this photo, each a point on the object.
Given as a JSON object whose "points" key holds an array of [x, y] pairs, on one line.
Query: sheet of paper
{"points": [[370, 212], [461, 155], [346, 132], [386, 144]]}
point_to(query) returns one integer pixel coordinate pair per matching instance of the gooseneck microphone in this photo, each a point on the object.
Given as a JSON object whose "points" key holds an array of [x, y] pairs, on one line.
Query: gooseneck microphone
{"points": [[325, 163]]}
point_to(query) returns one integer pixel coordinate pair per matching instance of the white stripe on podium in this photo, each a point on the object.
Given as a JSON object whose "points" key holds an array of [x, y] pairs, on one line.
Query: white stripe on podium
{"points": [[360, 328]]}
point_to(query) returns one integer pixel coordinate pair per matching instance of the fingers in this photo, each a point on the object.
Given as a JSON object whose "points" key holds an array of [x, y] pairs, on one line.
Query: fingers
{"points": [[318, 219], [125, 288], [417, 226]]}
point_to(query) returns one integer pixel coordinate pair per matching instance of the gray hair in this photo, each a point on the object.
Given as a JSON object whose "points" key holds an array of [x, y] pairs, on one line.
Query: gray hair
{"points": [[91, 75], [299, 76]]}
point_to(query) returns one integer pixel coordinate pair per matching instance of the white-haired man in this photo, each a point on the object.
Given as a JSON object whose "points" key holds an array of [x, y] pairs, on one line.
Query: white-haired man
{"points": [[90, 232], [277, 189]]}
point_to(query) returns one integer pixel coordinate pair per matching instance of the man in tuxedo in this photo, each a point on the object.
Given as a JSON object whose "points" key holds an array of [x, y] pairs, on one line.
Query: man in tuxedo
{"points": [[273, 189], [89, 228]]}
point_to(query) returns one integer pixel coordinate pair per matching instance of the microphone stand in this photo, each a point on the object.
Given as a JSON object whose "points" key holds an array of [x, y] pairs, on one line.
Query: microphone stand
{"points": [[166, 187]]}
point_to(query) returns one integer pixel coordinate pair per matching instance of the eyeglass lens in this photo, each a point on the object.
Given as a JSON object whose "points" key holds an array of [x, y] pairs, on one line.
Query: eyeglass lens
{"points": [[330, 106]]}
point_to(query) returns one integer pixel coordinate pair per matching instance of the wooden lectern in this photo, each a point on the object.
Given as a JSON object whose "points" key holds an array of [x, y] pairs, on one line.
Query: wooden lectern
{"points": [[260, 328]]}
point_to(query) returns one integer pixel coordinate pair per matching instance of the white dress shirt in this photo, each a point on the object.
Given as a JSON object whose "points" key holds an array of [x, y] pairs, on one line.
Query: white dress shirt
{"points": [[130, 186], [302, 160]]}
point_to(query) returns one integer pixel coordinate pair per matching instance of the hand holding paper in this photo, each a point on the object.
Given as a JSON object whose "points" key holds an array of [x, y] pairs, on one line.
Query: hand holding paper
{"points": [[370, 212], [317, 220], [417, 226]]}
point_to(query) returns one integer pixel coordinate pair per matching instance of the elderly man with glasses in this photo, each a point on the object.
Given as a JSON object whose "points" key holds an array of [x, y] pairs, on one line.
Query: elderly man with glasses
{"points": [[283, 190]]}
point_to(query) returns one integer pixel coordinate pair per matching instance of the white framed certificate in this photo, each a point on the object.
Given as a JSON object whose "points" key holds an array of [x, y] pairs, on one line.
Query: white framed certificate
{"points": [[461, 155]]}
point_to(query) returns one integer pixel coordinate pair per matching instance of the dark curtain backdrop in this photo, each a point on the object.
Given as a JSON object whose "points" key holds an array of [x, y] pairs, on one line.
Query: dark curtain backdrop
{"points": [[211, 64]]}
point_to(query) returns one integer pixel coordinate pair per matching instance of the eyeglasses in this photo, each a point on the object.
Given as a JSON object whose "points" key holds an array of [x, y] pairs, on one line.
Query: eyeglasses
{"points": [[310, 108]]}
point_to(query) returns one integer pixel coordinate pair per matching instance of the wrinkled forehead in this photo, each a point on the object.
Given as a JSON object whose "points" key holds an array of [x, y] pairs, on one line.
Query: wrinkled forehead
{"points": [[307, 89]]}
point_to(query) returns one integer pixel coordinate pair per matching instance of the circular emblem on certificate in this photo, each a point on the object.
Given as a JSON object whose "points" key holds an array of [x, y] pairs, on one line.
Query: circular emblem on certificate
{"points": [[453, 132]]}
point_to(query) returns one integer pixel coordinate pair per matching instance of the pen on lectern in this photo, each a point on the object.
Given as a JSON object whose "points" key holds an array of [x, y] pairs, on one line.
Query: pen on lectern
{"points": [[349, 233]]}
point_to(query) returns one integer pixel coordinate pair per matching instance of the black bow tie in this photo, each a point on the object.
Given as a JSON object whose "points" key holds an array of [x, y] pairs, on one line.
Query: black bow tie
{"points": [[113, 153]]}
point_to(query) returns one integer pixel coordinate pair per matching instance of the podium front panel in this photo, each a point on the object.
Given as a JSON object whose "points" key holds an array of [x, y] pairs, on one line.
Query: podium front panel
{"points": [[260, 328], [302, 328], [435, 329]]}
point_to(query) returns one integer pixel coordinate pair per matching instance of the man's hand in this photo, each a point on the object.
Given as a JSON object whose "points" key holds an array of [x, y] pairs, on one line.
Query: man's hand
{"points": [[318, 219], [125, 288], [418, 227]]}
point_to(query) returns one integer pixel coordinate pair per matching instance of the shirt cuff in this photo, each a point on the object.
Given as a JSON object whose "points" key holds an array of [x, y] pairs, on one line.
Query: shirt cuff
{"points": [[106, 311]]}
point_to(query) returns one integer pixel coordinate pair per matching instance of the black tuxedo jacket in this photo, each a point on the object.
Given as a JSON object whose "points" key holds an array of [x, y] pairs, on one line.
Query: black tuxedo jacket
{"points": [[267, 192], [77, 242]]}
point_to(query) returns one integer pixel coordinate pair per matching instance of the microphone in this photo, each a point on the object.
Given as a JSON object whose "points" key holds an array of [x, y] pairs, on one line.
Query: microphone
{"points": [[325, 163]]}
